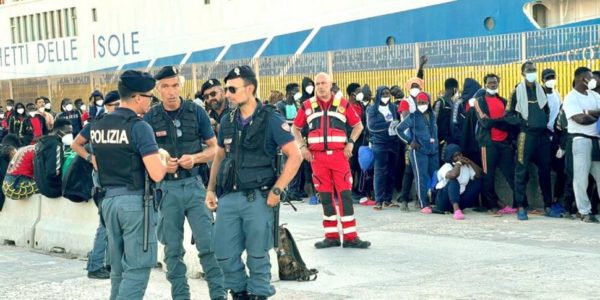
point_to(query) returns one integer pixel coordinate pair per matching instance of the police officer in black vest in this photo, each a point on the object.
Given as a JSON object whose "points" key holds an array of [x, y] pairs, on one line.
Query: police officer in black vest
{"points": [[244, 173], [124, 150], [180, 128]]}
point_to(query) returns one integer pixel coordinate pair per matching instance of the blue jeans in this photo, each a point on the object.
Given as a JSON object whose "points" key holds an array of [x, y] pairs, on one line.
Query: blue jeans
{"points": [[450, 194], [97, 255], [385, 172]]}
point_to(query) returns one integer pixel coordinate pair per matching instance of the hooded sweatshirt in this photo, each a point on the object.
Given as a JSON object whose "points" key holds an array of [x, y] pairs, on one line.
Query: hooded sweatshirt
{"points": [[422, 130], [305, 83], [461, 107], [379, 118]]}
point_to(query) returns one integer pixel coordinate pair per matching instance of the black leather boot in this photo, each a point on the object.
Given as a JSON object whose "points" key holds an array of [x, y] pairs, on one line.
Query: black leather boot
{"points": [[243, 295]]}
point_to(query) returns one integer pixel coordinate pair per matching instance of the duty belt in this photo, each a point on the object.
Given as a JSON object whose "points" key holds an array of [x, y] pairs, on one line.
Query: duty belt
{"points": [[183, 173]]}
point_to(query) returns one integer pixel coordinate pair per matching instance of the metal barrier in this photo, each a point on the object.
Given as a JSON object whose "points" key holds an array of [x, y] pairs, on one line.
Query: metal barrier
{"points": [[563, 49]]}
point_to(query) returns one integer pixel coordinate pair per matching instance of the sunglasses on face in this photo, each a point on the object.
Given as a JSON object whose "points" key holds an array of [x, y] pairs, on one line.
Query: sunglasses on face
{"points": [[211, 95], [233, 89], [147, 96]]}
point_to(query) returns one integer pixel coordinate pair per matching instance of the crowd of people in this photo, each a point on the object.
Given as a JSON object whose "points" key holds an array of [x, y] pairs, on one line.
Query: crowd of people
{"points": [[341, 150]]}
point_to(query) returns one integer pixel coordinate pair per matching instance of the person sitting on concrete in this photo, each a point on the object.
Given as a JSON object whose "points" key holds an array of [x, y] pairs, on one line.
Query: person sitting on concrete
{"points": [[18, 183], [6, 153], [459, 183], [49, 158]]}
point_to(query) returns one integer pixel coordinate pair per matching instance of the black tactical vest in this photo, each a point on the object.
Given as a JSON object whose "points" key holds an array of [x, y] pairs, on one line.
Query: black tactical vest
{"points": [[119, 163], [254, 166], [165, 130]]}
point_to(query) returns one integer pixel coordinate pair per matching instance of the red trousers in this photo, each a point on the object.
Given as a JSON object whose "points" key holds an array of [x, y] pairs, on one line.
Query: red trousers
{"points": [[333, 180]]}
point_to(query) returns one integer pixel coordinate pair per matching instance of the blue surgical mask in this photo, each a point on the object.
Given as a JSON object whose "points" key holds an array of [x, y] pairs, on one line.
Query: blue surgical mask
{"points": [[531, 77]]}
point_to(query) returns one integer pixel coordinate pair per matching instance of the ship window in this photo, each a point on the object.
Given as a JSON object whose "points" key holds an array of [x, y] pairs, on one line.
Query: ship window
{"points": [[489, 23], [94, 15], [32, 27], [60, 23], [13, 30], [52, 26], [67, 21], [38, 18], [206, 1], [46, 27], [540, 14], [390, 41], [74, 20], [25, 31]]}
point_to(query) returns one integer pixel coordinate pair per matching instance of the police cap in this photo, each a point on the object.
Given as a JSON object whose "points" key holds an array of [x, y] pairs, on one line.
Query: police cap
{"points": [[166, 72], [244, 72], [137, 81], [111, 97], [209, 84]]}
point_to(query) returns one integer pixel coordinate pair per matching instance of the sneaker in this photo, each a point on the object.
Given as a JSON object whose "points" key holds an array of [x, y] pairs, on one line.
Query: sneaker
{"points": [[378, 206], [522, 214], [507, 210], [589, 218], [426, 210], [458, 215], [101, 273], [357, 243], [313, 200], [368, 202], [404, 206], [327, 243]]}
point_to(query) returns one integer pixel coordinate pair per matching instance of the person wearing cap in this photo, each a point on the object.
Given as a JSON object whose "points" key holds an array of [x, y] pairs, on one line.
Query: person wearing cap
{"points": [[96, 105], [95, 266], [528, 107], [214, 99], [419, 131], [181, 128], [328, 149], [124, 152], [495, 137], [582, 110], [243, 178]]}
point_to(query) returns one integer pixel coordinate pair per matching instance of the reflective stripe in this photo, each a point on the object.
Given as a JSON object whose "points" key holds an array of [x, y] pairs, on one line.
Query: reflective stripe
{"points": [[338, 116], [330, 218], [319, 114], [313, 116], [333, 139], [331, 230], [347, 218], [350, 230]]}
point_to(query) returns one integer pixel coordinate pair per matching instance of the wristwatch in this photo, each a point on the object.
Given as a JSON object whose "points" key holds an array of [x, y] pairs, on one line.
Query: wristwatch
{"points": [[88, 158], [276, 191]]}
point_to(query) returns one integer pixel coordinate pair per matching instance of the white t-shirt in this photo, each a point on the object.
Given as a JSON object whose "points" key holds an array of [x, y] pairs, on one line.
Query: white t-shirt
{"points": [[466, 174], [575, 103]]}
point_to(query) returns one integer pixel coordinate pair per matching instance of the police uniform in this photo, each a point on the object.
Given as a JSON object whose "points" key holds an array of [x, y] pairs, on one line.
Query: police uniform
{"points": [[120, 140], [182, 132], [246, 175]]}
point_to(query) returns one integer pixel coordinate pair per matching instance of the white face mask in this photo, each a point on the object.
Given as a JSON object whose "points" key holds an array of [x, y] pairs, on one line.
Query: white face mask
{"points": [[83, 107], [492, 92], [309, 89], [360, 96], [385, 100], [1, 116], [550, 83], [531, 77], [20, 111], [69, 107], [99, 102], [414, 92], [366, 102], [339, 95], [48, 106], [9, 108], [67, 139], [41, 109], [32, 114], [592, 84], [422, 107], [297, 96], [472, 102]]}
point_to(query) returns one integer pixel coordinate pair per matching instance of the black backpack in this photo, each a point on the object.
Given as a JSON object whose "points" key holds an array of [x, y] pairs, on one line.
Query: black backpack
{"points": [[49, 185], [291, 265]]}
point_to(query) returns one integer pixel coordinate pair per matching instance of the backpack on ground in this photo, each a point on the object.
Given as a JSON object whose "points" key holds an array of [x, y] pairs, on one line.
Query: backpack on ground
{"points": [[291, 265]]}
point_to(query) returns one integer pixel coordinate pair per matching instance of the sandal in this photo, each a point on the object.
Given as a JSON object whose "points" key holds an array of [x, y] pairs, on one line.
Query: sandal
{"points": [[377, 206], [391, 204]]}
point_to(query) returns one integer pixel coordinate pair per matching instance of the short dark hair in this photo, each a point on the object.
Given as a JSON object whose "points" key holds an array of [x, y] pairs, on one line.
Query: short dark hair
{"points": [[451, 83], [581, 70], [124, 92], [252, 81], [12, 139], [30, 106], [10, 100], [61, 123], [352, 87], [488, 76], [525, 64], [64, 100], [290, 87]]}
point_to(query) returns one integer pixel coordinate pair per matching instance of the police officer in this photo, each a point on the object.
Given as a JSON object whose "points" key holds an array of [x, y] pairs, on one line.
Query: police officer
{"points": [[214, 98], [124, 149], [180, 128], [248, 186]]}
